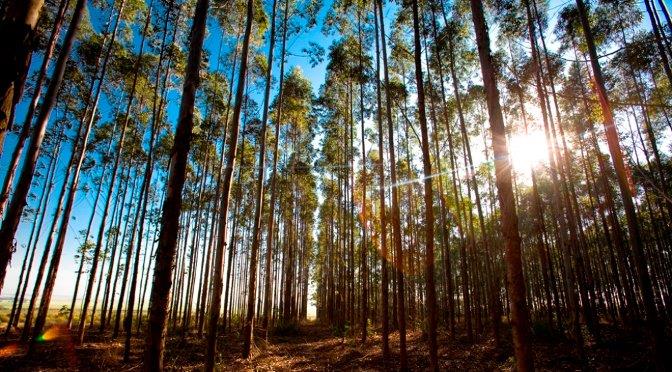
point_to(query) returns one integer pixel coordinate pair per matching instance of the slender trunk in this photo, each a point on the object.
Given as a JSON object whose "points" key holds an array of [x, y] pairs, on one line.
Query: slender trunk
{"points": [[429, 202], [396, 226], [363, 249], [509, 218], [258, 209], [381, 195], [165, 252], [19, 29], [228, 172], [25, 130], [661, 358]]}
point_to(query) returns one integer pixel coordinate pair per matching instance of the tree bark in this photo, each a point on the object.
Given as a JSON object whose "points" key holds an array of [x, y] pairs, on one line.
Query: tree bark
{"points": [[381, 195], [18, 27], [396, 226], [228, 173], [428, 197], [167, 245], [259, 197], [624, 183], [509, 218]]}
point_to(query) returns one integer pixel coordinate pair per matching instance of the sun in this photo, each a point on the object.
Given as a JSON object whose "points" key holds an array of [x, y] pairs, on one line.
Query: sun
{"points": [[527, 151]]}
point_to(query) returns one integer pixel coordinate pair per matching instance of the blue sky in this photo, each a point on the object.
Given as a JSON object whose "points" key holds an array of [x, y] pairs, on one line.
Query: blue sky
{"points": [[84, 201]]}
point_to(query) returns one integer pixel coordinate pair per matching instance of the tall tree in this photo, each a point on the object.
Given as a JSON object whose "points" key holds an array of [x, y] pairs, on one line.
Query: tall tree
{"points": [[429, 196], [226, 193], [509, 220], [624, 182], [172, 205], [396, 226], [259, 198], [384, 286], [18, 26]]}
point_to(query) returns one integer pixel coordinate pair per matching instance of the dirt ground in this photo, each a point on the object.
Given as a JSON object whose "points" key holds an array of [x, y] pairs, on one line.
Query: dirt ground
{"points": [[314, 347]]}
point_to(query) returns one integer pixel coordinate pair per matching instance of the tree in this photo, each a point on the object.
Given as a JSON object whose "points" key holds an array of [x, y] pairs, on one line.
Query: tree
{"points": [[19, 26], [429, 197], [509, 219], [396, 228], [17, 203], [624, 181], [165, 251], [259, 203], [224, 206]]}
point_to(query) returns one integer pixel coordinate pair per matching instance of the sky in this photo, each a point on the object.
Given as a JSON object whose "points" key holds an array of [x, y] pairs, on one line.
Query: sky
{"points": [[84, 202]]}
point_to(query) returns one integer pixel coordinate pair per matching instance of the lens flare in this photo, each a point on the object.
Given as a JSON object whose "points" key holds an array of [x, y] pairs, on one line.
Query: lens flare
{"points": [[50, 334]]}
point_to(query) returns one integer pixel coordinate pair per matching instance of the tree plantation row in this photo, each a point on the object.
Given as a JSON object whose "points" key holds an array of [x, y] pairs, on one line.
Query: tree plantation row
{"points": [[481, 170]]}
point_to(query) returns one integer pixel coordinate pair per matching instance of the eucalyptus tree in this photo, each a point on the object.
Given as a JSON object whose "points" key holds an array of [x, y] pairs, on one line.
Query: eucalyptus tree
{"points": [[11, 221], [224, 205], [167, 244], [258, 209], [19, 24], [16, 93], [395, 214], [509, 219], [429, 197], [381, 191], [634, 230]]}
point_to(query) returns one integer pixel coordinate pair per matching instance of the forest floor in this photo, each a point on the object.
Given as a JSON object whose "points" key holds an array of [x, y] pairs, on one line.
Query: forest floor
{"points": [[314, 347]]}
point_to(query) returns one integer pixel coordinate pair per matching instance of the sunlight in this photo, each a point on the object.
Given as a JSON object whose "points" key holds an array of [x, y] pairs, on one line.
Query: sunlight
{"points": [[528, 151], [8, 350]]}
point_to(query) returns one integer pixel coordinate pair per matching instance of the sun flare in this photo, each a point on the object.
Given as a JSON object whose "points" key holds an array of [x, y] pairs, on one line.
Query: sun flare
{"points": [[527, 151]]}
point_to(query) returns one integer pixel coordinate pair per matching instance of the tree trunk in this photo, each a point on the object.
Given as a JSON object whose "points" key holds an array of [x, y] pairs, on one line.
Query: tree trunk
{"points": [[509, 218], [429, 202], [396, 226], [381, 195], [624, 183], [228, 172], [165, 252], [27, 123], [18, 28]]}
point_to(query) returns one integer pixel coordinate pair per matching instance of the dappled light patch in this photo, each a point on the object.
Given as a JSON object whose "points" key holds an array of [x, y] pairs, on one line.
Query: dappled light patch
{"points": [[9, 350]]}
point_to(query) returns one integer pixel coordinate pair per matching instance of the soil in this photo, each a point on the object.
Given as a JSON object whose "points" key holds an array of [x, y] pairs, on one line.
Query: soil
{"points": [[315, 347]]}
